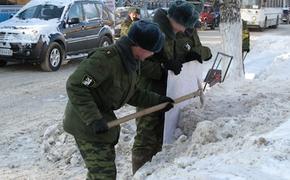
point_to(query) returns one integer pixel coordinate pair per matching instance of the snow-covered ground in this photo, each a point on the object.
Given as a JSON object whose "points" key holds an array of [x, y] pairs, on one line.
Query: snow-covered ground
{"points": [[241, 133]]}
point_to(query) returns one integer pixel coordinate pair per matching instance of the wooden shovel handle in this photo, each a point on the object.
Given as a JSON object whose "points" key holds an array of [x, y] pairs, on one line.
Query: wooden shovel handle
{"points": [[152, 109]]}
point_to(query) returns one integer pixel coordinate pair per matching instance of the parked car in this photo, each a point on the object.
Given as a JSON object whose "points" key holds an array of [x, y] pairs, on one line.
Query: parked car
{"points": [[207, 17], [121, 14], [48, 32]]}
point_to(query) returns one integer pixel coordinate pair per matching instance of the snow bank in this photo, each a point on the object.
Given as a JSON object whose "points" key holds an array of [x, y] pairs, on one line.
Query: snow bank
{"points": [[58, 147], [268, 51], [243, 130]]}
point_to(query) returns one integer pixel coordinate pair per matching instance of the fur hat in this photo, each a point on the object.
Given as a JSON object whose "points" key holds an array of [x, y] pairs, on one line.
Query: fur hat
{"points": [[183, 13], [147, 35]]}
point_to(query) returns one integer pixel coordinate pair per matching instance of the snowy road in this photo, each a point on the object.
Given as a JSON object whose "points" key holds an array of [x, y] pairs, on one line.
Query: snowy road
{"points": [[31, 101]]}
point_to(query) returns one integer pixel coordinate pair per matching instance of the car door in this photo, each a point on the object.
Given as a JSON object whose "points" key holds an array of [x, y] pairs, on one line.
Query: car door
{"points": [[75, 34], [94, 23]]}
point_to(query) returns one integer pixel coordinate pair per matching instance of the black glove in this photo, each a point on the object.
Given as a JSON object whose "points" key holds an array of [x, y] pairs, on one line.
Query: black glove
{"points": [[173, 65], [100, 126], [208, 58], [191, 56], [164, 99]]}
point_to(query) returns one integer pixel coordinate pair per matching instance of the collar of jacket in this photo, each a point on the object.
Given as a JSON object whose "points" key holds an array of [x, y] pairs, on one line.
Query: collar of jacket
{"points": [[162, 20], [124, 48]]}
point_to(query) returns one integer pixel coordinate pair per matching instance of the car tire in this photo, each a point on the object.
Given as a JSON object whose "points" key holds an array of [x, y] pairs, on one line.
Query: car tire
{"points": [[3, 63], [264, 26], [105, 41], [277, 23], [212, 27], [204, 26], [52, 58]]}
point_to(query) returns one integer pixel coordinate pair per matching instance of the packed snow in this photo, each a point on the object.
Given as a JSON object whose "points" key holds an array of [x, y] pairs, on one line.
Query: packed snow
{"points": [[242, 132]]}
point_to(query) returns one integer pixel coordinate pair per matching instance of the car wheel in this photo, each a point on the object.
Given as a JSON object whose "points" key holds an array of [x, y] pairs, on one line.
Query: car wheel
{"points": [[212, 27], [105, 41], [53, 57], [264, 26], [277, 23], [204, 26], [3, 63]]}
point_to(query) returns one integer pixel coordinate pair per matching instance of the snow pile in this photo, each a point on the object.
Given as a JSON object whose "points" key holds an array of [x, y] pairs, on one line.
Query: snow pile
{"points": [[243, 130], [267, 50], [58, 147]]}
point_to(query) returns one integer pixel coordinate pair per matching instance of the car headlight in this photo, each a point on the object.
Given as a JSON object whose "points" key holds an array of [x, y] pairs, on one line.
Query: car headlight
{"points": [[254, 18]]}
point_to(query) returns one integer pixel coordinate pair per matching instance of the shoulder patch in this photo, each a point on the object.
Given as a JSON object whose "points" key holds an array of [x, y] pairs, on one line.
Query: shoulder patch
{"points": [[88, 81], [109, 51], [187, 47]]}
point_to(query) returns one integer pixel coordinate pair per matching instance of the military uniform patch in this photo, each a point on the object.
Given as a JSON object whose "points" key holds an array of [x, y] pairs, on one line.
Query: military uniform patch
{"points": [[187, 47], [88, 81]]}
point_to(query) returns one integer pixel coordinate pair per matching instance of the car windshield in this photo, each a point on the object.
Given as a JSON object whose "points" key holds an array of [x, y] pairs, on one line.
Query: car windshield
{"points": [[45, 12], [251, 4]]}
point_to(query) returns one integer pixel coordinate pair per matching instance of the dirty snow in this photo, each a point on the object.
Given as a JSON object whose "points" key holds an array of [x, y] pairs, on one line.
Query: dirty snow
{"points": [[241, 133]]}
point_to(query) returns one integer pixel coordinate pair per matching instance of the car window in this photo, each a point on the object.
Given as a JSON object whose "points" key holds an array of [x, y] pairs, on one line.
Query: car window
{"points": [[45, 12], [92, 10], [28, 13], [76, 12]]}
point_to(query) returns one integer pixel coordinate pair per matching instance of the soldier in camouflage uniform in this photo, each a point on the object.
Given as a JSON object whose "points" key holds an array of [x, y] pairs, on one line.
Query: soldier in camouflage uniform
{"points": [[246, 42], [133, 15], [246, 37], [103, 83], [180, 16]]}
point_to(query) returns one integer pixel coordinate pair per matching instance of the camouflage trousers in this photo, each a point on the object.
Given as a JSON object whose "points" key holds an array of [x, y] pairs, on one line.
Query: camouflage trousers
{"points": [[99, 159], [148, 140]]}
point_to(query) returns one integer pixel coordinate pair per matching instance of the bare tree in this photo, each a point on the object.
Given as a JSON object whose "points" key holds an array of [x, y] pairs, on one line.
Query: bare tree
{"points": [[231, 32]]}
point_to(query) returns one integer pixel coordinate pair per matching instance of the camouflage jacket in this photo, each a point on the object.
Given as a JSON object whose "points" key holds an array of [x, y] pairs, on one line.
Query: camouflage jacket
{"points": [[125, 26], [101, 84]]}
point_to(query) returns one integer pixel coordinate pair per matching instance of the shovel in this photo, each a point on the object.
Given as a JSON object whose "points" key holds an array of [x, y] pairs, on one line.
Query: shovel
{"points": [[159, 107]]}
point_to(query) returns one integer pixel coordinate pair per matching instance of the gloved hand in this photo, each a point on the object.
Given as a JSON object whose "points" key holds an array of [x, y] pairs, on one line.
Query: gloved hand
{"points": [[208, 58], [100, 126], [164, 99], [173, 65], [191, 56], [207, 53]]}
